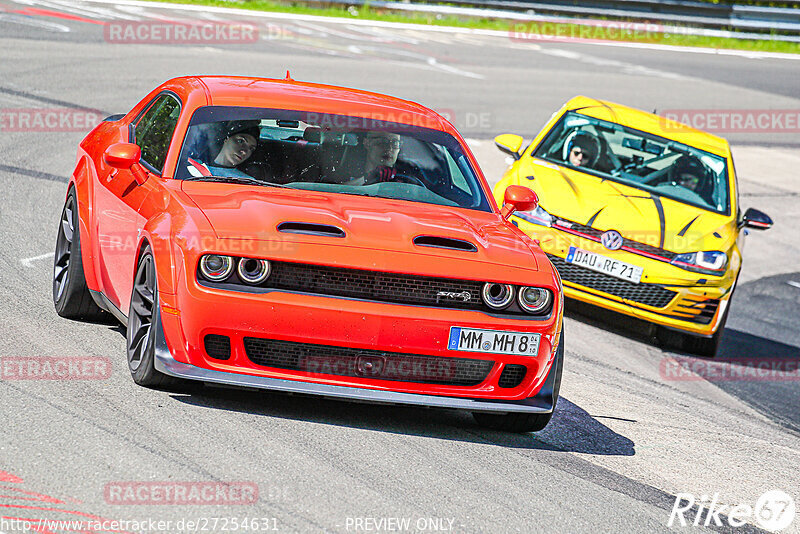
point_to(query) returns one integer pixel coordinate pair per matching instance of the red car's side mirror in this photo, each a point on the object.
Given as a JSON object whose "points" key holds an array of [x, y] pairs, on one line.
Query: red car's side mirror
{"points": [[518, 198], [126, 156]]}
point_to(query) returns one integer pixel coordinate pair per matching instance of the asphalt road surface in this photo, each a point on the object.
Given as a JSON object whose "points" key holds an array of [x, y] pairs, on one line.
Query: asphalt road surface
{"points": [[627, 436]]}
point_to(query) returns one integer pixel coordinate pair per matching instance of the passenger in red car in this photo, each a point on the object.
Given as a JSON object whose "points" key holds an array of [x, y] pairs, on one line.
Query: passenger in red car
{"points": [[241, 141], [236, 149]]}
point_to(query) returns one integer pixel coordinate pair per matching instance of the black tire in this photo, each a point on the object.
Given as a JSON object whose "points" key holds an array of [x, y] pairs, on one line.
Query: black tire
{"points": [[526, 422], [70, 295], [140, 340]]}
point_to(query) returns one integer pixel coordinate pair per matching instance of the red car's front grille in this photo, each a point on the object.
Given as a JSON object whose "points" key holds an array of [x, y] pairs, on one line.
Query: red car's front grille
{"points": [[374, 285], [364, 363]]}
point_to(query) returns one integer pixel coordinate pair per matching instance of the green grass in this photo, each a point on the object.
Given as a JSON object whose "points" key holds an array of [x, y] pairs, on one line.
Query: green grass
{"points": [[527, 32]]}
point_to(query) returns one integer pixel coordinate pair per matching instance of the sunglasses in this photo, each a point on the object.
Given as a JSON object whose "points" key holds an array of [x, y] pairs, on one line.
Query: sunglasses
{"points": [[580, 152], [380, 141]]}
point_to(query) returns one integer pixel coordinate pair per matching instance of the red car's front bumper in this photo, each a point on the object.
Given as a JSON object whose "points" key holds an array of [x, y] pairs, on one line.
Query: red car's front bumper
{"points": [[289, 318]]}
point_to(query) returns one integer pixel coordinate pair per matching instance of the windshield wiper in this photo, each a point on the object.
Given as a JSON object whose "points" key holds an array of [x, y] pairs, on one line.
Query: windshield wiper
{"points": [[236, 180]]}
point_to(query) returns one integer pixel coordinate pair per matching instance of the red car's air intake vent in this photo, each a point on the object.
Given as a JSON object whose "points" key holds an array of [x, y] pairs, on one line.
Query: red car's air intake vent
{"points": [[366, 363], [310, 229], [512, 376], [217, 346], [444, 242]]}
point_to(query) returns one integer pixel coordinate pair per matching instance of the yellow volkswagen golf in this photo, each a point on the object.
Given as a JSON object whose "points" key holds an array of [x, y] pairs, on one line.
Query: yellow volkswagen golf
{"points": [[638, 214]]}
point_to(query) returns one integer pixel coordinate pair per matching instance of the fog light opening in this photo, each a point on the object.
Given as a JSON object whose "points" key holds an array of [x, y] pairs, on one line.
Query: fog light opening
{"points": [[253, 271], [497, 296]]}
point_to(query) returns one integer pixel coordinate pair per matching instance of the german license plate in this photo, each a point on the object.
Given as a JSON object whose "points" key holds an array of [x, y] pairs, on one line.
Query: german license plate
{"points": [[604, 264], [493, 341]]}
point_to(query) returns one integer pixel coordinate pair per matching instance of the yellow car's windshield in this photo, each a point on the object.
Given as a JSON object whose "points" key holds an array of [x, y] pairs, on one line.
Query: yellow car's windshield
{"points": [[638, 159]]}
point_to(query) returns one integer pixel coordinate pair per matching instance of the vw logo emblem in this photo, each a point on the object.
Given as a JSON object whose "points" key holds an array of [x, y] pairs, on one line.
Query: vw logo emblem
{"points": [[612, 240]]}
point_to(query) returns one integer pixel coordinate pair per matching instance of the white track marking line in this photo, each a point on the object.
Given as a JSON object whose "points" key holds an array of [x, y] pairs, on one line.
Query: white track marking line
{"points": [[454, 70], [383, 36], [35, 23], [91, 12], [625, 68], [28, 261], [148, 15], [443, 29], [88, 12], [794, 284]]}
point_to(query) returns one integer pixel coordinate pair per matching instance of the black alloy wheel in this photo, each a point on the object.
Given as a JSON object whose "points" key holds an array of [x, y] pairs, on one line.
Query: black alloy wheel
{"points": [[71, 296]]}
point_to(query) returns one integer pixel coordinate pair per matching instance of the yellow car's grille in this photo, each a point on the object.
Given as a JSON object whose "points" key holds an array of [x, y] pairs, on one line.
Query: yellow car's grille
{"points": [[647, 294], [629, 245]]}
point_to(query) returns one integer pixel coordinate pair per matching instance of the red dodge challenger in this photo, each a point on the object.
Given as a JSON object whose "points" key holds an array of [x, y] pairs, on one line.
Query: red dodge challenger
{"points": [[313, 239]]}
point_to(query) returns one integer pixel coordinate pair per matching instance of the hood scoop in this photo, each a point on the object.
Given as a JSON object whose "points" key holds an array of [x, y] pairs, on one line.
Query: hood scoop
{"points": [[444, 242], [305, 228]]}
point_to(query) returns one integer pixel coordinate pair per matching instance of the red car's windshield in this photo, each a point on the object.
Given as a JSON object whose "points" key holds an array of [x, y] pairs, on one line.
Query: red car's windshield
{"points": [[332, 153]]}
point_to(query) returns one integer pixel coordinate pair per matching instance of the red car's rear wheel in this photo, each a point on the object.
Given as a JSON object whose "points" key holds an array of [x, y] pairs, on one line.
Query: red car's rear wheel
{"points": [[70, 294]]}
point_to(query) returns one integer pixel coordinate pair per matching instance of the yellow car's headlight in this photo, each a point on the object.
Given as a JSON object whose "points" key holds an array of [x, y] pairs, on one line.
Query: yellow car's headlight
{"points": [[537, 216], [706, 262]]}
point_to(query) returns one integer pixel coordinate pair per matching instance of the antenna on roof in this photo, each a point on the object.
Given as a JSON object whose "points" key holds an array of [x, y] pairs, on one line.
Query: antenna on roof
{"points": [[288, 76]]}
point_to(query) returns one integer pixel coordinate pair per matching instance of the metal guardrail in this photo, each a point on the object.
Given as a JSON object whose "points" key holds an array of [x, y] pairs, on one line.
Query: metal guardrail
{"points": [[751, 18], [671, 16]]}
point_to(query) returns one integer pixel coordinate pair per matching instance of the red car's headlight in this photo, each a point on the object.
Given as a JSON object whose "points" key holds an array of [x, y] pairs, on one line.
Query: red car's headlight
{"points": [[534, 299], [216, 267]]}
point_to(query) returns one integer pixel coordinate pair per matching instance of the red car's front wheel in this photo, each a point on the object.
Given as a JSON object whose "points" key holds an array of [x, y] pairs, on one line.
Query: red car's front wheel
{"points": [[140, 338], [527, 422]]}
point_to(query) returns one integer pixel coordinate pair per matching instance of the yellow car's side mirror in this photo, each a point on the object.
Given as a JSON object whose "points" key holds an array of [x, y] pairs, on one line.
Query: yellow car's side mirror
{"points": [[509, 143]]}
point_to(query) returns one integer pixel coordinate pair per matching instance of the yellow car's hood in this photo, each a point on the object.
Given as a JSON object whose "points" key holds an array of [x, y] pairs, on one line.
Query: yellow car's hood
{"points": [[635, 213]]}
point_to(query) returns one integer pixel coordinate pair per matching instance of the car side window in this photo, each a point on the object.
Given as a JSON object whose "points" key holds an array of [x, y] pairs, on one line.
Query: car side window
{"points": [[154, 130]]}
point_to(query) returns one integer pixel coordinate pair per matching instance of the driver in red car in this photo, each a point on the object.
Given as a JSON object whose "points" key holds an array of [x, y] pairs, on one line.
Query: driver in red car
{"points": [[381, 151]]}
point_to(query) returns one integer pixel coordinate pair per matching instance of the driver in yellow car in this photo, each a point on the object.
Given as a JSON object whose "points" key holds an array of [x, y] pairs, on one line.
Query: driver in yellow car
{"points": [[688, 172]]}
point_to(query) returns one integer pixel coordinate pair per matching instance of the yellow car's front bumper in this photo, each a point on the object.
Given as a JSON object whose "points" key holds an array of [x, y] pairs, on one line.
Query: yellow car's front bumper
{"points": [[666, 295]]}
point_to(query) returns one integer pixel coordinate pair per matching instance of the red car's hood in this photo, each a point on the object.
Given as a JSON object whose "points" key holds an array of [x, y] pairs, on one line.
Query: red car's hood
{"points": [[245, 212]]}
